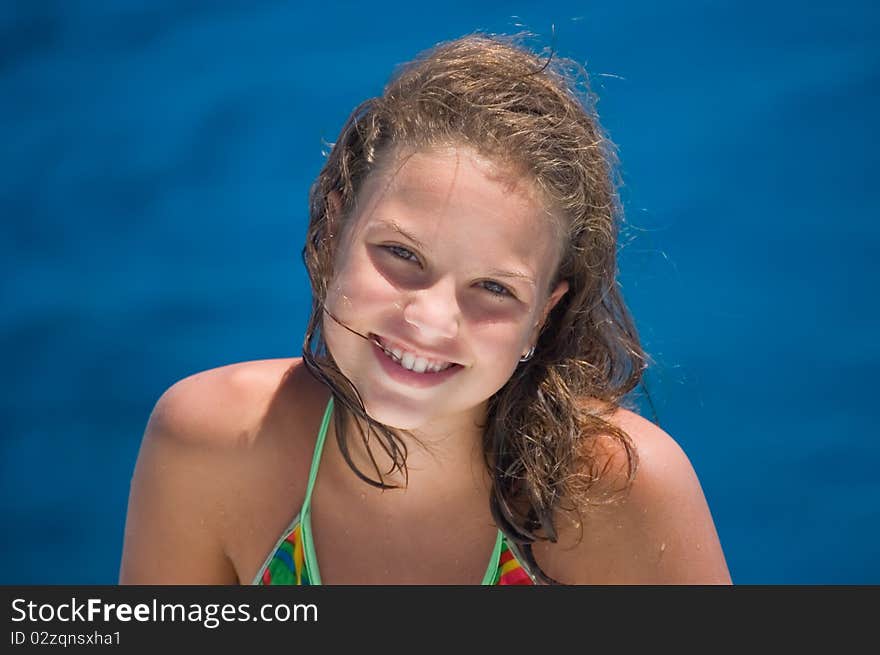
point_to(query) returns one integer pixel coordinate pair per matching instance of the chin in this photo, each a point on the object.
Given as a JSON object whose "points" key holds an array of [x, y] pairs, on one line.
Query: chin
{"points": [[395, 415]]}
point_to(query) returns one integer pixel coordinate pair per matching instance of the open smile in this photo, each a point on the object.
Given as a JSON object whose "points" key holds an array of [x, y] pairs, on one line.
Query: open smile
{"points": [[414, 370]]}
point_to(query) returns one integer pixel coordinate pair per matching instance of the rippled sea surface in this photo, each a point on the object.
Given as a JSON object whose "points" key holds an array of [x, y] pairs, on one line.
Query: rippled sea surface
{"points": [[154, 172]]}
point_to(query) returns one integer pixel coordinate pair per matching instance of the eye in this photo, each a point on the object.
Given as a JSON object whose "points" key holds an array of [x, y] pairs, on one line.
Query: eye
{"points": [[402, 253], [496, 289]]}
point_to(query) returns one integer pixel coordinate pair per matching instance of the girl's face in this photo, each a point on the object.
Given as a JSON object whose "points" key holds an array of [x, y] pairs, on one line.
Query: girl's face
{"points": [[444, 265]]}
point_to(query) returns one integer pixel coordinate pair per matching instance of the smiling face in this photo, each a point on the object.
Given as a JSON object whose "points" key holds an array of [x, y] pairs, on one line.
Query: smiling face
{"points": [[446, 259]]}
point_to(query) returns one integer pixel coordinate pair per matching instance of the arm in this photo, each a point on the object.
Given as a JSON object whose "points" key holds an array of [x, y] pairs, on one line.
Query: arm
{"points": [[176, 503]]}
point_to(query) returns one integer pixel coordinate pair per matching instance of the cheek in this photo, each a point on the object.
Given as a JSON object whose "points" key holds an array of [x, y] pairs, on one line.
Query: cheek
{"points": [[498, 348], [356, 290], [356, 298], [343, 323]]}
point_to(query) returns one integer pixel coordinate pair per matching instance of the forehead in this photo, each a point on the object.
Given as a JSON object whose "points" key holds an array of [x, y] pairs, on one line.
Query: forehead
{"points": [[455, 187]]}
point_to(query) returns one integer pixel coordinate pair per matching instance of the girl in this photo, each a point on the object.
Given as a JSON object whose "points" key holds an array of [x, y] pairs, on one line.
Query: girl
{"points": [[456, 416]]}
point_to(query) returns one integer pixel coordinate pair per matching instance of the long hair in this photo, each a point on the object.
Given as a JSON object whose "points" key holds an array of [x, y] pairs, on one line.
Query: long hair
{"points": [[535, 114]]}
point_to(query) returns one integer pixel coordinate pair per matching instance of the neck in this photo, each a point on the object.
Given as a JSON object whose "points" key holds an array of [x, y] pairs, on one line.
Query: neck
{"points": [[444, 461]]}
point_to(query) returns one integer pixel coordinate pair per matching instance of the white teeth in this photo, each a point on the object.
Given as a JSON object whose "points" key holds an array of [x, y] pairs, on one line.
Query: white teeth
{"points": [[414, 363]]}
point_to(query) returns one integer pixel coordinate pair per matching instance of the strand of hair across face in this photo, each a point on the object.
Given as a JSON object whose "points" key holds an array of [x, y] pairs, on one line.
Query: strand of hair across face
{"points": [[352, 330]]}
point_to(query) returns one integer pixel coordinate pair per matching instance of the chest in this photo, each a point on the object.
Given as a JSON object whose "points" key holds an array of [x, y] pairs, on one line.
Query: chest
{"points": [[358, 545]]}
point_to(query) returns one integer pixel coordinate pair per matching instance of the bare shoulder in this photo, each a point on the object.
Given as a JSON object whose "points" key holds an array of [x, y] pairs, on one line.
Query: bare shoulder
{"points": [[220, 407], [661, 531], [207, 450]]}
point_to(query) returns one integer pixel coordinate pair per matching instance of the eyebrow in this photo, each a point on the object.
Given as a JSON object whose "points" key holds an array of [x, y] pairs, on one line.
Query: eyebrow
{"points": [[395, 227], [514, 274]]}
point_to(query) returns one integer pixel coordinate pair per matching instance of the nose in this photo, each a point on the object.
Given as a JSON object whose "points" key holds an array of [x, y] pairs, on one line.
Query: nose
{"points": [[434, 310]]}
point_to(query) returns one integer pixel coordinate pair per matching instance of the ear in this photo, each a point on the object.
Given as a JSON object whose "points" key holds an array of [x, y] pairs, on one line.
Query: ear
{"points": [[554, 298]]}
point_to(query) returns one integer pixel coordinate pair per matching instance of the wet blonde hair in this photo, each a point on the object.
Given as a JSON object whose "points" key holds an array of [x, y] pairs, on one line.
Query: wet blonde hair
{"points": [[534, 114]]}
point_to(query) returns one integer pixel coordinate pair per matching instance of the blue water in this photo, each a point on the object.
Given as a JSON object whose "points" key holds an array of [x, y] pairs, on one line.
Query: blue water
{"points": [[154, 170]]}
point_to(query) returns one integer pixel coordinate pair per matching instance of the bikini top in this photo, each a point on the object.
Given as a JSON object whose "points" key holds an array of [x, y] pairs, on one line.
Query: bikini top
{"points": [[292, 561]]}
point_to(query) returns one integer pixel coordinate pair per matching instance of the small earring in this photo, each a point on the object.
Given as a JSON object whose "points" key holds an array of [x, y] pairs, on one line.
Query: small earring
{"points": [[528, 355]]}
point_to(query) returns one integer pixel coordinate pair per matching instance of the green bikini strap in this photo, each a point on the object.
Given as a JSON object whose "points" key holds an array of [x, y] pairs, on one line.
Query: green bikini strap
{"points": [[316, 456], [310, 561]]}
